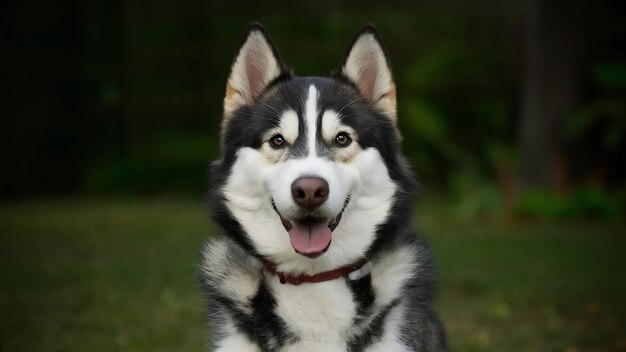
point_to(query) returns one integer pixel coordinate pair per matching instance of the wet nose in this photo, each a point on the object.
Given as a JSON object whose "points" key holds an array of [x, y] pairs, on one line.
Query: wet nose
{"points": [[309, 192]]}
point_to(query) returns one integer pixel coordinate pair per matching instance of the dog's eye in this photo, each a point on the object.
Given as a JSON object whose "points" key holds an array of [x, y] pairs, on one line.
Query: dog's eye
{"points": [[343, 140], [277, 141]]}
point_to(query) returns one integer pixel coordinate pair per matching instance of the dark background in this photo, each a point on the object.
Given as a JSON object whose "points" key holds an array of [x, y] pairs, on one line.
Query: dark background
{"points": [[513, 113], [112, 96]]}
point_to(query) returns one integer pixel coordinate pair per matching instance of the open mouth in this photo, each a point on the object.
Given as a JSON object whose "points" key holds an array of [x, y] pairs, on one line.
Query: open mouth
{"points": [[311, 236]]}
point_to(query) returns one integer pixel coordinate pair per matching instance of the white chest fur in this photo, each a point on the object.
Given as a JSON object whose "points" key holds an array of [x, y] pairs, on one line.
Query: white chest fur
{"points": [[321, 314]]}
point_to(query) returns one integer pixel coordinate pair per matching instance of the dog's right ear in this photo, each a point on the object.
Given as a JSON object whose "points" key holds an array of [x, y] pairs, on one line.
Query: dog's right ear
{"points": [[256, 65]]}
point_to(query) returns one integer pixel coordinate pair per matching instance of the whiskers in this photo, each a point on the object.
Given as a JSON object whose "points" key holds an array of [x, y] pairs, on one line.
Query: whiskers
{"points": [[263, 206], [348, 104], [390, 200], [273, 120], [271, 107], [360, 207]]}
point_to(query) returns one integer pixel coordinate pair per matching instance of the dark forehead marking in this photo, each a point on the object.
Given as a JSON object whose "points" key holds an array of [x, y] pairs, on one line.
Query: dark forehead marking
{"points": [[331, 95], [292, 95], [251, 123]]}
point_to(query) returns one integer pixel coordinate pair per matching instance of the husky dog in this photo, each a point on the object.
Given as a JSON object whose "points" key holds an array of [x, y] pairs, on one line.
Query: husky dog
{"points": [[316, 202]]}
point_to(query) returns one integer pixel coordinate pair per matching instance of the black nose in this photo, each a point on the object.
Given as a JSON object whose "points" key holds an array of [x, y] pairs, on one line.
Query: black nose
{"points": [[309, 192]]}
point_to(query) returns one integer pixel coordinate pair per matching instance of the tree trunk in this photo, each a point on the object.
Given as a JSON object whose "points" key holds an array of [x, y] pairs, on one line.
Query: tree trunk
{"points": [[550, 85]]}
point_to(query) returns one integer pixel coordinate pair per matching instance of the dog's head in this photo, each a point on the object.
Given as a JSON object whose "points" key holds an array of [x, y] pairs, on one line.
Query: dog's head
{"points": [[310, 175]]}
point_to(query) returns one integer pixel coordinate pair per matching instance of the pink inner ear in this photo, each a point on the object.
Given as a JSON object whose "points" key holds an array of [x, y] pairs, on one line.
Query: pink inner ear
{"points": [[367, 80], [255, 70]]}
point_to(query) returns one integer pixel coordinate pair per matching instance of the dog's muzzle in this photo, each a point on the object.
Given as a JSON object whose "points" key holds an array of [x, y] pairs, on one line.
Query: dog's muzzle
{"points": [[311, 235]]}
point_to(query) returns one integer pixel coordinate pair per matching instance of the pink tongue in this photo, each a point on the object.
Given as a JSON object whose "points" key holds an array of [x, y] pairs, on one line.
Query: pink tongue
{"points": [[310, 237]]}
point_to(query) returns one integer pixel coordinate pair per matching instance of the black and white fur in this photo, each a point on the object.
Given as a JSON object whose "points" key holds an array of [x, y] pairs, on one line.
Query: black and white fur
{"points": [[384, 306]]}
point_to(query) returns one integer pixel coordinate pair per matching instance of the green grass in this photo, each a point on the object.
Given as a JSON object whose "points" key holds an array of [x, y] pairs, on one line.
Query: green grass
{"points": [[119, 275]]}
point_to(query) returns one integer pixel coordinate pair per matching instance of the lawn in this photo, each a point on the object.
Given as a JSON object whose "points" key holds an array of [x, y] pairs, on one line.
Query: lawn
{"points": [[119, 275]]}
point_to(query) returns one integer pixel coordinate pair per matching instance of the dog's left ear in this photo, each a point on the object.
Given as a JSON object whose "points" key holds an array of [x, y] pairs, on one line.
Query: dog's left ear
{"points": [[367, 66]]}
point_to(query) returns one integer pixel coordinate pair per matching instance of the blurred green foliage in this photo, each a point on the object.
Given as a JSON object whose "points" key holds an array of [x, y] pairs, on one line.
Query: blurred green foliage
{"points": [[177, 162], [472, 197], [611, 74], [586, 202], [607, 115]]}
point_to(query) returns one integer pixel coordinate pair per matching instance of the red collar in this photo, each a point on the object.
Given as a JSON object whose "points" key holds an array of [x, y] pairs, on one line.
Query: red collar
{"points": [[319, 277]]}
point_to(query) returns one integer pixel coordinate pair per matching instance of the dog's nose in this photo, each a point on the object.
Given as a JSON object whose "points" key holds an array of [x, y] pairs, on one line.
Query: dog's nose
{"points": [[309, 192]]}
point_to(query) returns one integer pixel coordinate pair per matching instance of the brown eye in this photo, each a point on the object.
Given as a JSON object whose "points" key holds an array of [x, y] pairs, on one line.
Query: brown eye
{"points": [[277, 141], [343, 140]]}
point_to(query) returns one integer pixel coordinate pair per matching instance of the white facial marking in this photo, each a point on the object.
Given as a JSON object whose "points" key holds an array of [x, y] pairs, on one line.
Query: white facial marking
{"points": [[310, 114], [257, 183], [254, 182], [330, 125], [289, 126]]}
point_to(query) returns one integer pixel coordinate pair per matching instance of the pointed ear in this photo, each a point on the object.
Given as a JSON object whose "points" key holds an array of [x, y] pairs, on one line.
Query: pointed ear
{"points": [[367, 66], [256, 65]]}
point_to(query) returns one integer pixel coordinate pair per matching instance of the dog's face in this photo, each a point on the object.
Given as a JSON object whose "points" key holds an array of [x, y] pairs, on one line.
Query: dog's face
{"points": [[310, 166]]}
